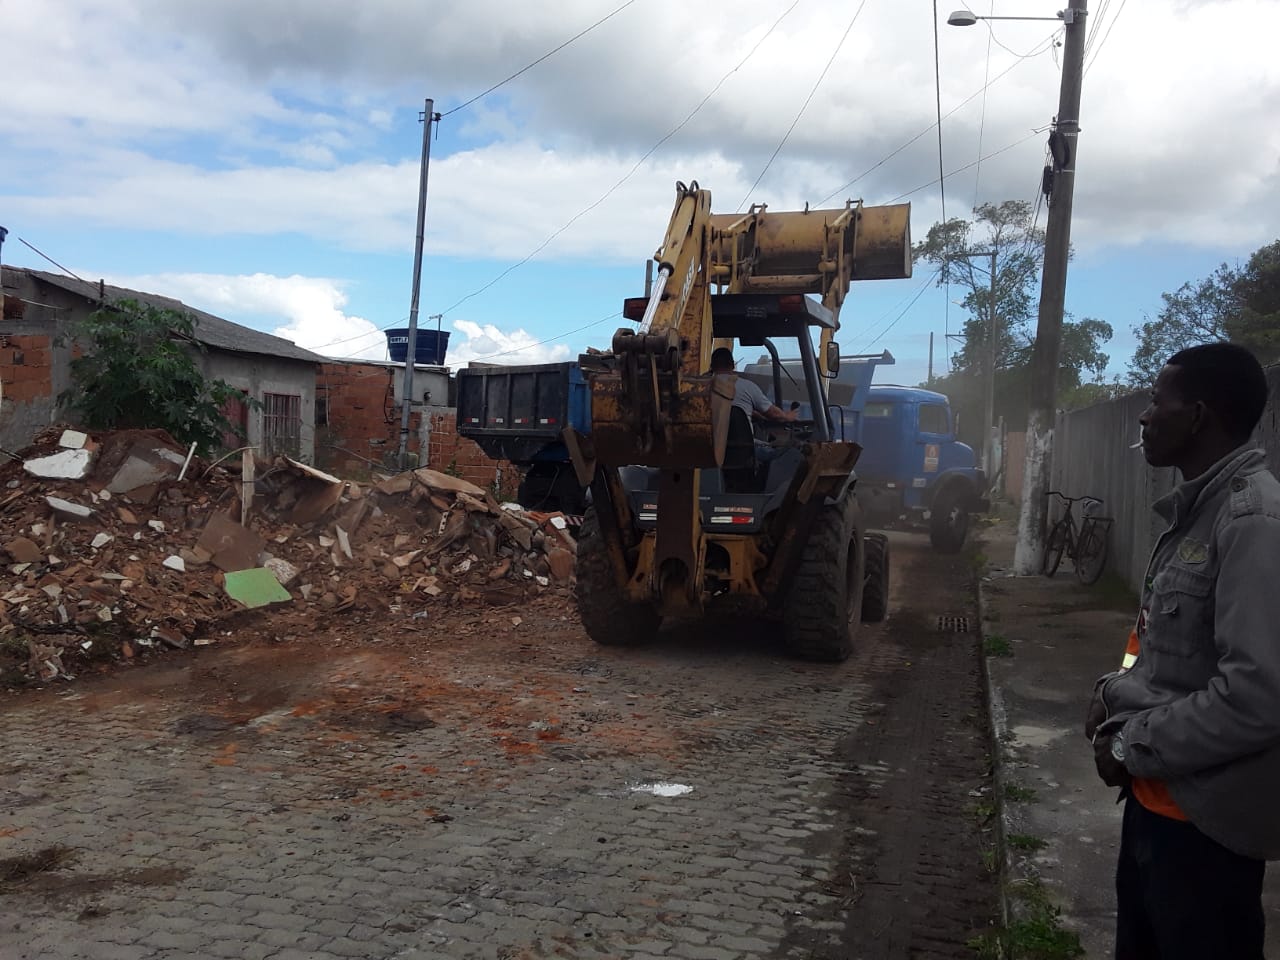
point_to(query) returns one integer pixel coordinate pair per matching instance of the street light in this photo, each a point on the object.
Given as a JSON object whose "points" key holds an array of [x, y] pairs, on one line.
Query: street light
{"points": [[1053, 285], [967, 18]]}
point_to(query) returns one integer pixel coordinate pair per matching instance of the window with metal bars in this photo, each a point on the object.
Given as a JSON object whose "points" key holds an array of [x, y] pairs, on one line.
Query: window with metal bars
{"points": [[282, 424]]}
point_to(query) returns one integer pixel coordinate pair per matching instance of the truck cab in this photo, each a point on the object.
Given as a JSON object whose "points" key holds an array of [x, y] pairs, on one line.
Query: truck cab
{"points": [[912, 467]]}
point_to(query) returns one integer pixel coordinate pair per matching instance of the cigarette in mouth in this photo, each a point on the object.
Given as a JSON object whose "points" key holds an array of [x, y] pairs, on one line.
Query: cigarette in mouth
{"points": [[1135, 446]]}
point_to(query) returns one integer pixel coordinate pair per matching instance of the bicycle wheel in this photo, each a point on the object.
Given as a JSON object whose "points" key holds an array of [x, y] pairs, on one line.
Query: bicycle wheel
{"points": [[1091, 552], [1055, 546]]}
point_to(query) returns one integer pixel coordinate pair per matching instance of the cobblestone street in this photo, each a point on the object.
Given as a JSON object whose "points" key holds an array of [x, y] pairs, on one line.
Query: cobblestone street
{"points": [[526, 795]]}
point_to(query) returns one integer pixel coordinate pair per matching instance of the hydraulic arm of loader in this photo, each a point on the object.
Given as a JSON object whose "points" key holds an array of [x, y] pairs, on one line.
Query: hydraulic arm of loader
{"points": [[654, 401]]}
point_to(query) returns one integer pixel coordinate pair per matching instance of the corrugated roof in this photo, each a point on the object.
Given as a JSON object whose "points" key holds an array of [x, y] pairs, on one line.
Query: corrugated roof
{"points": [[210, 330]]}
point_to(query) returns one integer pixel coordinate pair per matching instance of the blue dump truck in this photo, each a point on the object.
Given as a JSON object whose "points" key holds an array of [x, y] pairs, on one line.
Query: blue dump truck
{"points": [[912, 469]]}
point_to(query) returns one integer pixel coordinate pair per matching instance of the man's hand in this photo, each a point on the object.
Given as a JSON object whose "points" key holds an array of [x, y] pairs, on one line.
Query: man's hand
{"points": [[1111, 770]]}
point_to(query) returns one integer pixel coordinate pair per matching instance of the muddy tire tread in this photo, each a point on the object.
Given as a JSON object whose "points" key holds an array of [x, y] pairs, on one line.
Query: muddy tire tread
{"points": [[608, 617], [816, 622]]}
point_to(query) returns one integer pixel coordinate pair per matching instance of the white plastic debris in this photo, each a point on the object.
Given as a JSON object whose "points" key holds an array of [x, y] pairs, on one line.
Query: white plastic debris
{"points": [[663, 789]]}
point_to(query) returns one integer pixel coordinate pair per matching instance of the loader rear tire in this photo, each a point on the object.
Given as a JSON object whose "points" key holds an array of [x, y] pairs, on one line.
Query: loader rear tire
{"points": [[875, 592], [823, 609], [610, 618]]}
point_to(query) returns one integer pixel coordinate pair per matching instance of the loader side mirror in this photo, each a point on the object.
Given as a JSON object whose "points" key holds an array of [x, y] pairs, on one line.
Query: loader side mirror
{"points": [[832, 359]]}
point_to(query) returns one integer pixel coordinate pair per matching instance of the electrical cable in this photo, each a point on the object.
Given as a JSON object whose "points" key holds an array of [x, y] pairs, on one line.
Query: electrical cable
{"points": [[804, 106], [650, 152], [545, 56], [942, 180], [995, 153], [1047, 44], [893, 323], [982, 120], [51, 260], [558, 336], [1103, 42]]}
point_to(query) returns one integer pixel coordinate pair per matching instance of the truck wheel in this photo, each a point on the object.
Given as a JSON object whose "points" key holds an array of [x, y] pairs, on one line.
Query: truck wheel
{"points": [[875, 590], [823, 608], [948, 522], [608, 615]]}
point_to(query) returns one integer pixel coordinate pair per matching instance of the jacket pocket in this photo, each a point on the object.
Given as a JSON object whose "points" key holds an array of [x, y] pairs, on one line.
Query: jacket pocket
{"points": [[1180, 621]]}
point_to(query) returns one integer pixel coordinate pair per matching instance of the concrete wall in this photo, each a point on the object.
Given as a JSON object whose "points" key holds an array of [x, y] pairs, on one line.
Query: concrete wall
{"points": [[257, 375], [1091, 456]]}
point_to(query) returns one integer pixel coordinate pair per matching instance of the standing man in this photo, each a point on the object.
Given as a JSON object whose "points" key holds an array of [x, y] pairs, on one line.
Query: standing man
{"points": [[1191, 728]]}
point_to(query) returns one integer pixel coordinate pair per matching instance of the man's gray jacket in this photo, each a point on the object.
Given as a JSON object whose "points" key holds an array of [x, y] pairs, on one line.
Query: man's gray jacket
{"points": [[1200, 709]]}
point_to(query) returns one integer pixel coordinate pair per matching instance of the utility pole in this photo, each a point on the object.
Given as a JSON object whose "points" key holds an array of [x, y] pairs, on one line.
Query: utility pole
{"points": [[1060, 185], [989, 360], [427, 119], [989, 405], [930, 380]]}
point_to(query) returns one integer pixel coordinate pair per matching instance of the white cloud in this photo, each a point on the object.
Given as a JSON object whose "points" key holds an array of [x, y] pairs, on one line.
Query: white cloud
{"points": [[307, 310], [487, 342]]}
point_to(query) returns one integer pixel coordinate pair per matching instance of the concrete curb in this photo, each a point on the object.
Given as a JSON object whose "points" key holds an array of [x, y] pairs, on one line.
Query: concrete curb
{"points": [[997, 721]]}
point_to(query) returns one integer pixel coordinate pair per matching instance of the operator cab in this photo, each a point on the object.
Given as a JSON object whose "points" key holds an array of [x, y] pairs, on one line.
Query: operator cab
{"points": [[761, 458]]}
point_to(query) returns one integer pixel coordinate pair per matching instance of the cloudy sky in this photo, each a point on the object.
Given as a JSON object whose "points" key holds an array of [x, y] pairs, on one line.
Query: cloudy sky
{"points": [[259, 158]]}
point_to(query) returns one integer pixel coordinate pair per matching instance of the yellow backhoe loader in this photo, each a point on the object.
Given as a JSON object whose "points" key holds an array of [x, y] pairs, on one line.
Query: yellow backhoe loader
{"points": [[692, 503]]}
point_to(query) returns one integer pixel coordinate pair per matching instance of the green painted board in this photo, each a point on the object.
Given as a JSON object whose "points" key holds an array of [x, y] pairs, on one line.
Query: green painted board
{"points": [[255, 588]]}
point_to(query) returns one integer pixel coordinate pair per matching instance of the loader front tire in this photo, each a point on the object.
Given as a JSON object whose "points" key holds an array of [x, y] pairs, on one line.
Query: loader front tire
{"points": [[610, 618], [823, 609]]}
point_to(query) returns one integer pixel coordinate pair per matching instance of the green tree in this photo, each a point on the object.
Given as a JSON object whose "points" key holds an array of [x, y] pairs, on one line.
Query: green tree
{"points": [[138, 370], [1236, 303], [1009, 229]]}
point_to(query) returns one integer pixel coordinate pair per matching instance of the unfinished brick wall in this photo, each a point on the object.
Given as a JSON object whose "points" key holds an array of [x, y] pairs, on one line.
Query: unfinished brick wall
{"points": [[356, 399], [357, 413], [25, 368], [450, 453]]}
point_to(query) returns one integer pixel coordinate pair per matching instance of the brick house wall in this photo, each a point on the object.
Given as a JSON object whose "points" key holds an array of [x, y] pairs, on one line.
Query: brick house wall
{"points": [[26, 369], [356, 417], [362, 424]]}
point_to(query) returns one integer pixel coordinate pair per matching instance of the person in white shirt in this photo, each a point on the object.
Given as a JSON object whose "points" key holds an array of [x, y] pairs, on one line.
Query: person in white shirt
{"points": [[747, 396]]}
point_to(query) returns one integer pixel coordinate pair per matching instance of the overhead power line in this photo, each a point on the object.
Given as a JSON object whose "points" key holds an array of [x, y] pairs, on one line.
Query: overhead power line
{"points": [[804, 106], [905, 310], [558, 336], [545, 56], [630, 173], [968, 166], [50, 259], [1044, 45]]}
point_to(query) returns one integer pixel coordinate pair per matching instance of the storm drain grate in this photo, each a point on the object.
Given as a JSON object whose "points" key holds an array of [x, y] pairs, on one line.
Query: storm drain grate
{"points": [[950, 624]]}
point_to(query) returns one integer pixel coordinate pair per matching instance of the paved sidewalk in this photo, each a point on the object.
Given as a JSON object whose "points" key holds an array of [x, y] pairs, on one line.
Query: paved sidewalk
{"points": [[1060, 637]]}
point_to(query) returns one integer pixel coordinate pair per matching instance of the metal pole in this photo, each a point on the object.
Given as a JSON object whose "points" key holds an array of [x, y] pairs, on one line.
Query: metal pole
{"points": [[1053, 291], [427, 119], [990, 405], [930, 380]]}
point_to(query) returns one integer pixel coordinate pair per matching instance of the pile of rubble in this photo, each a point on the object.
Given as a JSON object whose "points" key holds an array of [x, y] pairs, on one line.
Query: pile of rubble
{"points": [[126, 543]]}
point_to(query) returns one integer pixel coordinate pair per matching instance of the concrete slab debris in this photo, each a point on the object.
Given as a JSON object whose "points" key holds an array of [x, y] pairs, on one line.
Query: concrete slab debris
{"points": [[73, 439], [67, 510], [63, 465], [174, 563]]}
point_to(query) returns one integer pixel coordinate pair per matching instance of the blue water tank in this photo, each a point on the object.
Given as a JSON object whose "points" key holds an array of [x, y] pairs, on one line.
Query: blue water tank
{"points": [[429, 347]]}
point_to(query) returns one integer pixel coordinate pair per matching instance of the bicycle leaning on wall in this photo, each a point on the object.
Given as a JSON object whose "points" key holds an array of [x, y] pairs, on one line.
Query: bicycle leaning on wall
{"points": [[1086, 544]]}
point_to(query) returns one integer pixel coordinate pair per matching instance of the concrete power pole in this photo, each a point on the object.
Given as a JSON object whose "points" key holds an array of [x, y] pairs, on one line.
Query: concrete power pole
{"points": [[429, 118], [1053, 291]]}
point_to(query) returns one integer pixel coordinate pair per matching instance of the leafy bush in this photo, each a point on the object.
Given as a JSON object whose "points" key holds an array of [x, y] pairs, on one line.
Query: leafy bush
{"points": [[138, 370]]}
